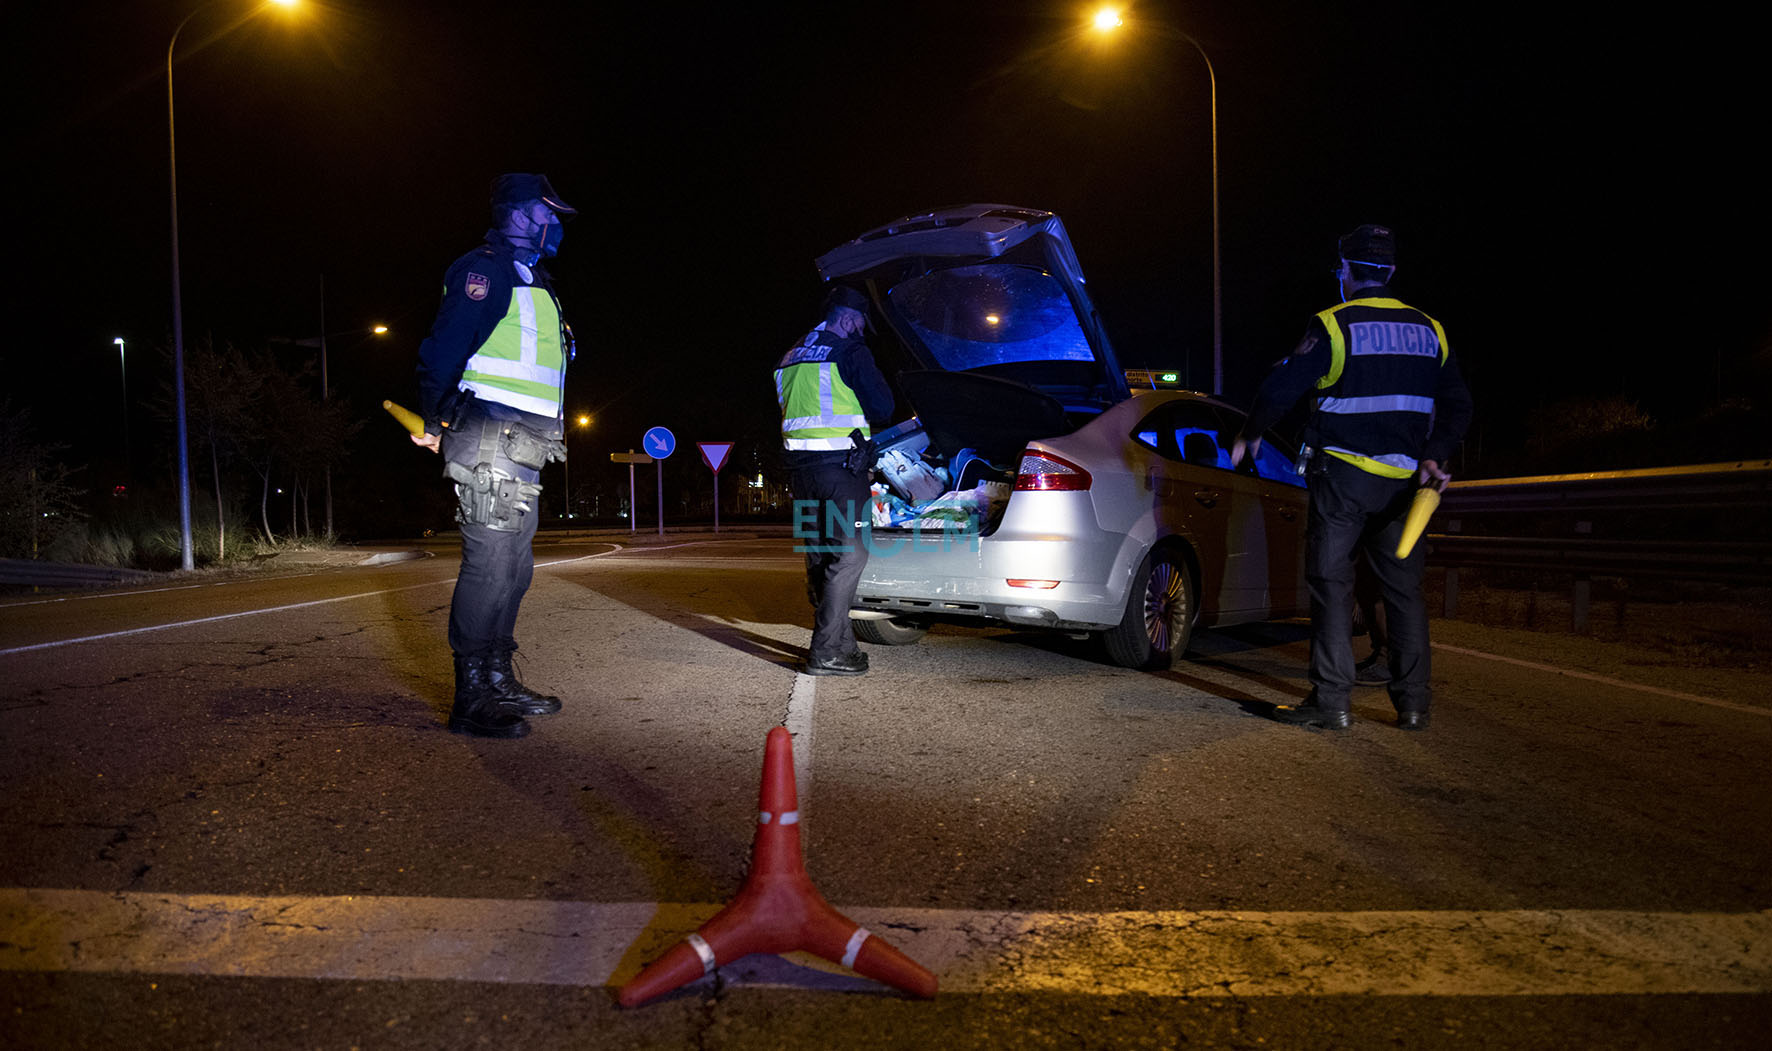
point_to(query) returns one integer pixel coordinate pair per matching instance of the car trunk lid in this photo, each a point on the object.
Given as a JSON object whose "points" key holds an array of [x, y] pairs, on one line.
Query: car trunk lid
{"points": [[987, 291]]}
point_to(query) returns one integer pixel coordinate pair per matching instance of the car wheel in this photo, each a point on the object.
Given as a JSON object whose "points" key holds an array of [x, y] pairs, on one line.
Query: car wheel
{"points": [[892, 631], [1159, 615]]}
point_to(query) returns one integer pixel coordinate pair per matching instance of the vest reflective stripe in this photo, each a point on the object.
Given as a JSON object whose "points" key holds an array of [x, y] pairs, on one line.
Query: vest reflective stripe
{"points": [[1384, 403], [818, 409], [1383, 337], [522, 363], [817, 445], [1395, 465]]}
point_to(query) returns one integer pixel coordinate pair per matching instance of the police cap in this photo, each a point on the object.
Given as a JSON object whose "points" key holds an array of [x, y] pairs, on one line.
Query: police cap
{"points": [[518, 187], [844, 296], [1369, 244]]}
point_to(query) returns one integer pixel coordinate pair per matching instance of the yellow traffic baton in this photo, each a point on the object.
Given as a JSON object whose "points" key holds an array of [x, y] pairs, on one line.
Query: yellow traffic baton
{"points": [[410, 420], [1427, 500]]}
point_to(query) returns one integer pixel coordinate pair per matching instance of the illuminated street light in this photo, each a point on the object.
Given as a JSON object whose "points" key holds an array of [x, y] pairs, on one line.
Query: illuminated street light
{"points": [[1106, 20], [186, 560]]}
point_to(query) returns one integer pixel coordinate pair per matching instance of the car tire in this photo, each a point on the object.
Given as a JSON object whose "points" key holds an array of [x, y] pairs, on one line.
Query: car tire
{"points": [[892, 631], [1159, 615]]}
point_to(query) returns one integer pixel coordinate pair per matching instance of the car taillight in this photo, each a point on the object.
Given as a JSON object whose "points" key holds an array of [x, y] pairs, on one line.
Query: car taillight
{"points": [[1045, 472]]}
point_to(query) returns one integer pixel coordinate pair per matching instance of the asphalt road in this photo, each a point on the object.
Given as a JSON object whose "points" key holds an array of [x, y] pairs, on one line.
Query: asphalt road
{"points": [[234, 819]]}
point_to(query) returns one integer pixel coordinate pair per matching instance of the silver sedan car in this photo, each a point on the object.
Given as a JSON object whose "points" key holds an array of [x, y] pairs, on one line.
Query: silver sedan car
{"points": [[1033, 487]]}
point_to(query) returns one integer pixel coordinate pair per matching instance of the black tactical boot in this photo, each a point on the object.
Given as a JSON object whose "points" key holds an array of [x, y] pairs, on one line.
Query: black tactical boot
{"points": [[513, 696], [477, 709], [1310, 713]]}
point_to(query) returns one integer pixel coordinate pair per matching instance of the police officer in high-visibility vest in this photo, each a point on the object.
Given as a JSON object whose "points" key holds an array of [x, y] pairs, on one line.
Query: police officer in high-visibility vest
{"points": [[830, 391], [1390, 408], [491, 380]]}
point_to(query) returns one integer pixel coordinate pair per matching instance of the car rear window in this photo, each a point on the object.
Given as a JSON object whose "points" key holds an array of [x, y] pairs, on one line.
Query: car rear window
{"points": [[991, 314]]}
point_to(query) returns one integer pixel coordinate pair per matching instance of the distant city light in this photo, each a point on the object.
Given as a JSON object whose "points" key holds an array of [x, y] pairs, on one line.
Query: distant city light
{"points": [[1107, 18]]}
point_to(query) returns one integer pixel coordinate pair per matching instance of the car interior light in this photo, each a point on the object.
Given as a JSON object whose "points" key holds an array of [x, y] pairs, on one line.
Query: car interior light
{"points": [[1043, 585]]}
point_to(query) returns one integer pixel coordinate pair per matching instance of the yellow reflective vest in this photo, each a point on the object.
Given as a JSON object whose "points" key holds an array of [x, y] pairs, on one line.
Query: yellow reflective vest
{"points": [[523, 362], [818, 408]]}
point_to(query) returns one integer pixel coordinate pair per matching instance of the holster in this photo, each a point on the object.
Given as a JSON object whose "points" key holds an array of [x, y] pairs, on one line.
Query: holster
{"points": [[481, 454], [526, 448], [489, 497], [860, 460]]}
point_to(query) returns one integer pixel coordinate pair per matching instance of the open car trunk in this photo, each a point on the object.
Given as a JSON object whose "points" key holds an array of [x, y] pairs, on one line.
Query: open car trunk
{"points": [[989, 302], [952, 466]]}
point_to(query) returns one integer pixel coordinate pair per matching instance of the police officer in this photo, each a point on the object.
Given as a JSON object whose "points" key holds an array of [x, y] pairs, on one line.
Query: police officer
{"points": [[830, 391], [1390, 407], [491, 379]]}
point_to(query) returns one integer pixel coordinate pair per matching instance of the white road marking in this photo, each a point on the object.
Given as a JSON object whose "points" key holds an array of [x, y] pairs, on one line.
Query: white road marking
{"points": [[270, 609], [1167, 954], [798, 722], [109, 594], [1606, 680], [218, 617]]}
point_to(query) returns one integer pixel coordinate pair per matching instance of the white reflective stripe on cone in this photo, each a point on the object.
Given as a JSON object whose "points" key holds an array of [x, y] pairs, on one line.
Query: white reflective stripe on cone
{"points": [[702, 950], [853, 949]]}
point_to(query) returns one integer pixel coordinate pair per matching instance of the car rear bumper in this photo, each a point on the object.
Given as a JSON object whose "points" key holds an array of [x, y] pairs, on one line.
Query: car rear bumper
{"points": [[968, 577]]}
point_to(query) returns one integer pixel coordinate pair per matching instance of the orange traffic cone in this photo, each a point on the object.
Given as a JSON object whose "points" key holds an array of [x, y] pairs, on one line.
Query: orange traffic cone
{"points": [[778, 909]]}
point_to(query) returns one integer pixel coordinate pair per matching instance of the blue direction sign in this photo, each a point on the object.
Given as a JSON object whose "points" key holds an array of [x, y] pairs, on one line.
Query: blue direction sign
{"points": [[659, 442]]}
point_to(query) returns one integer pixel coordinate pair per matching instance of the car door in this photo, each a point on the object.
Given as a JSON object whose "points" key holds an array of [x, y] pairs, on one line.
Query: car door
{"points": [[1284, 504], [1199, 496]]}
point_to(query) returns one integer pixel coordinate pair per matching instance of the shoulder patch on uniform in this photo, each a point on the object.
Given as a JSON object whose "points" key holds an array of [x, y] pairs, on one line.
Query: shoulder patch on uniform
{"points": [[477, 286], [1305, 346]]}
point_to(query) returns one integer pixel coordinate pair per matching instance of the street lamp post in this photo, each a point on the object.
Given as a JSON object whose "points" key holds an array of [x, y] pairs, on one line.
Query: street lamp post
{"points": [[324, 388], [178, 323], [325, 382], [123, 373], [178, 316], [1108, 19]]}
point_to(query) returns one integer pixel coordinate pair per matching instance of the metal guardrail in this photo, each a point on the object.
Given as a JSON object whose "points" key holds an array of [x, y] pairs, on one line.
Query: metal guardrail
{"points": [[1741, 490], [25, 572], [1725, 562], [1741, 483]]}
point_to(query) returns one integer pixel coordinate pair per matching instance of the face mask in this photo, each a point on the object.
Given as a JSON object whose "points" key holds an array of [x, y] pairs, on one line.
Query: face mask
{"points": [[544, 237]]}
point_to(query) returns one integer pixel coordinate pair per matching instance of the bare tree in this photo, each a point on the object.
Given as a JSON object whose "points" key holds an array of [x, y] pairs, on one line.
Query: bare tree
{"points": [[31, 469]]}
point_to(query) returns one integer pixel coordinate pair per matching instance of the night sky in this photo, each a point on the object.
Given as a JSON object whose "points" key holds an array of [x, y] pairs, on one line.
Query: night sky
{"points": [[1574, 199]]}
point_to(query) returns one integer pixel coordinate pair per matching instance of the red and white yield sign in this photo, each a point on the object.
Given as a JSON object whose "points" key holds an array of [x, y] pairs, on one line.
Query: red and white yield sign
{"points": [[714, 454]]}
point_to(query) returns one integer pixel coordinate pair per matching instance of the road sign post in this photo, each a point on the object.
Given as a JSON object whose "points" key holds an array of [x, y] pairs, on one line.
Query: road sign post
{"points": [[714, 455], [631, 458], [659, 443]]}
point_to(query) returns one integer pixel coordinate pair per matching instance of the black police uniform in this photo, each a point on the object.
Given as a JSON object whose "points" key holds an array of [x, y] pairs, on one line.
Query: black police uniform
{"points": [[1392, 398], [828, 484], [494, 452]]}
